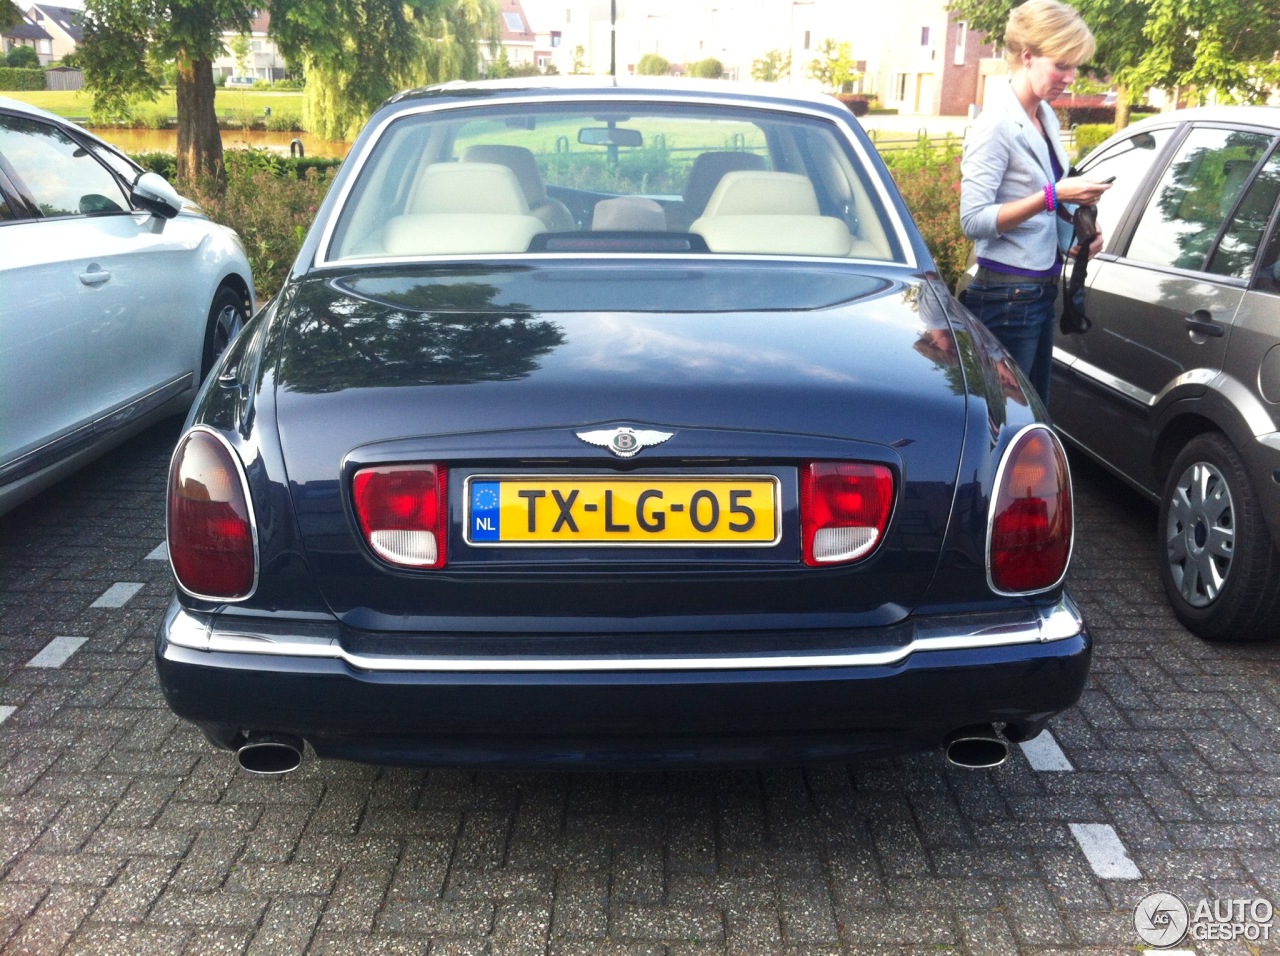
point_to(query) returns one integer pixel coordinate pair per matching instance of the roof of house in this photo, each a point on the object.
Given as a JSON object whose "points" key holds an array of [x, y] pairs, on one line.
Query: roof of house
{"points": [[25, 30], [67, 20], [515, 25]]}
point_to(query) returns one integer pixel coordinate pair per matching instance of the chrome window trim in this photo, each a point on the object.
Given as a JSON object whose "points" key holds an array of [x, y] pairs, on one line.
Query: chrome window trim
{"points": [[321, 259], [1060, 622]]}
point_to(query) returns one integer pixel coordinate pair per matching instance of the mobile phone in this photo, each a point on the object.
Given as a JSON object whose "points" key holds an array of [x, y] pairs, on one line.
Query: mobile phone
{"points": [[1107, 181]]}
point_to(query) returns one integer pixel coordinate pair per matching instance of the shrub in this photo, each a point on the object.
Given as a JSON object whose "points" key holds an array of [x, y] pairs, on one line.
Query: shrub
{"points": [[1090, 135], [166, 164], [708, 69], [1070, 116], [270, 206], [929, 179], [152, 116], [21, 78], [23, 58], [859, 103], [284, 121], [651, 64]]}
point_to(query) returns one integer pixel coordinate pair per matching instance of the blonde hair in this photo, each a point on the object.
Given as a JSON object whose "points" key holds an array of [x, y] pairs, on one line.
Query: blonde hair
{"points": [[1048, 28]]}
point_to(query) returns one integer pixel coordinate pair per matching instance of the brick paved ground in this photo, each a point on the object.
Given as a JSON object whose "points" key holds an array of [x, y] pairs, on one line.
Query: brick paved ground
{"points": [[122, 831]]}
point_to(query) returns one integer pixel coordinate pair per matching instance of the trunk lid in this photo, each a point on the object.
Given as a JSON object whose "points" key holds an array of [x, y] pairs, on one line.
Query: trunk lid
{"points": [[749, 368]]}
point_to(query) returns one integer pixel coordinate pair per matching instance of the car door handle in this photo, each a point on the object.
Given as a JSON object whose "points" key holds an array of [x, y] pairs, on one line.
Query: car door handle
{"points": [[94, 276], [1202, 322]]}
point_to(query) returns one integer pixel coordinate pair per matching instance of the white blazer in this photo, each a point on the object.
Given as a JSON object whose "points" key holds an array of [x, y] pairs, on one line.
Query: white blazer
{"points": [[1006, 158]]}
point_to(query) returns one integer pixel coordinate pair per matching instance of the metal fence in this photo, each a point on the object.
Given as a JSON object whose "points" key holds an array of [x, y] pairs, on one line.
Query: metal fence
{"points": [[895, 141]]}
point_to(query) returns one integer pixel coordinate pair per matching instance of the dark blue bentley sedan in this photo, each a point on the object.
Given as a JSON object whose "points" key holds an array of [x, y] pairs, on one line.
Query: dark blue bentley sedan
{"points": [[617, 425]]}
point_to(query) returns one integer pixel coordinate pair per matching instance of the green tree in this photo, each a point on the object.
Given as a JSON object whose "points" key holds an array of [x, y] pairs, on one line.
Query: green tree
{"points": [[356, 54], [500, 68], [23, 57], [651, 64], [834, 66], [123, 39], [708, 69], [239, 48], [1225, 46], [775, 65], [10, 15], [579, 60]]}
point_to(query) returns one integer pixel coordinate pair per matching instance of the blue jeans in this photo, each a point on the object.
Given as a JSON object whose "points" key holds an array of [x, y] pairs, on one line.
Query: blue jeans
{"points": [[1020, 315]]}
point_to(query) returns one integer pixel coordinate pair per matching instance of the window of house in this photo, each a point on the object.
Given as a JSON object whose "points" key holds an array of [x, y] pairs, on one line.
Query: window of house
{"points": [[962, 40], [924, 36]]}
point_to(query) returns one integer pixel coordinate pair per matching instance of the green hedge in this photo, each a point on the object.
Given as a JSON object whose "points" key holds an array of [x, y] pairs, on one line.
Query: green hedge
{"points": [[298, 167], [1090, 135], [14, 78]]}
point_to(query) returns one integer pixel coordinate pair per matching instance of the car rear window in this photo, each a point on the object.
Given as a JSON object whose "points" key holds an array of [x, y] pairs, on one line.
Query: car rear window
{"points": [[549, 178]]}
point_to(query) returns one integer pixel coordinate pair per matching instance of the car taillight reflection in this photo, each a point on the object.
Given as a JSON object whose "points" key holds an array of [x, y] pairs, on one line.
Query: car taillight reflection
{"points": [[1029, 545], [844, 509], [403, 512], [210, 529]]}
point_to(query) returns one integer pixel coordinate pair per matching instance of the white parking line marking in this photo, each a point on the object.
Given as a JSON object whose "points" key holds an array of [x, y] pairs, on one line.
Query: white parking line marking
{"points": [[161, 553], [6, 713], [56, 652], [1043, 753], [1104, 851], [117, 595]]}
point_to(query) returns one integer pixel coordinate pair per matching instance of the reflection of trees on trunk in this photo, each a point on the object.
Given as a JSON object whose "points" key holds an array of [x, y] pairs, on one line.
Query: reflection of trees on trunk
{"points": [[429, 334]]}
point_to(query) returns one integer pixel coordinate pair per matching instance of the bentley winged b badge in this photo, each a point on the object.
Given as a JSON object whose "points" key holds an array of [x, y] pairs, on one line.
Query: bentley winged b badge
{"points": [[625, 442]]}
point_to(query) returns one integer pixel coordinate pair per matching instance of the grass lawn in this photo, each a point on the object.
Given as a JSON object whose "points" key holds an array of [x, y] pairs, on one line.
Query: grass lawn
{"points": [[76, 104]]}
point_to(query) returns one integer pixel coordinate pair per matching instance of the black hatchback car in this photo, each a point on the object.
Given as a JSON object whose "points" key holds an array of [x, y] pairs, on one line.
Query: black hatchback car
{"points": [[605, 425], [1176, 386]]}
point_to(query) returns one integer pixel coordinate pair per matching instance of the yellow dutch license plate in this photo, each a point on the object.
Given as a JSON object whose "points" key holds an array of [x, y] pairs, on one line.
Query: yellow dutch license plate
{"points": [[709, 510]]}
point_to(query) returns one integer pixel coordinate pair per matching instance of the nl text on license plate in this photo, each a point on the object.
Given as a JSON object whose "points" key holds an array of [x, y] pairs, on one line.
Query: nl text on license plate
{"points": [[667, 510]]}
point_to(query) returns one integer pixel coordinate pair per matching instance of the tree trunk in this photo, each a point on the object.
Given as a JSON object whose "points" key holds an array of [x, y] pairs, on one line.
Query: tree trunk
{"points": [[1122, 105], [199, 139]]}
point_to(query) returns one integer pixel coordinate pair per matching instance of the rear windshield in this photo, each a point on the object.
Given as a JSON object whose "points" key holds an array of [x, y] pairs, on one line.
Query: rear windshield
{"points": [[614, 178]]}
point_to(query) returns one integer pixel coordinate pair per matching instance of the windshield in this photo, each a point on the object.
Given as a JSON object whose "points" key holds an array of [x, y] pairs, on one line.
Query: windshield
{"points": [[613, 177]]}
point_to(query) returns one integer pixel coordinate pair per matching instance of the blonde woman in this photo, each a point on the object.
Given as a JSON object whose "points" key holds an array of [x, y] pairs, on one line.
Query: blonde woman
{"points": [[1014, 183]]}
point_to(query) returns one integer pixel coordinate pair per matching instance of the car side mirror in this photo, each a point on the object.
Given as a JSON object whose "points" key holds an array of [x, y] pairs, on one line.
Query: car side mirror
{"points": [[153, 194]]}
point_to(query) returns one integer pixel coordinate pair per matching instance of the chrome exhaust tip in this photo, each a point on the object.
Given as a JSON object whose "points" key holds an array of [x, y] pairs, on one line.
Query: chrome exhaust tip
{"points": [[270, 754], [977, 747]]}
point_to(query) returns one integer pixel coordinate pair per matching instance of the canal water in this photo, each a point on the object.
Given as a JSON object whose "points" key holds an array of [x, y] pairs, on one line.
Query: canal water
{"points": [[166, 141]]}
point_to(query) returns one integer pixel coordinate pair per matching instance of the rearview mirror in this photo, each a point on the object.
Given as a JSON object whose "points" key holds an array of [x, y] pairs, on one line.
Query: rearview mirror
{"points": [[610, 136], [153, 193]]}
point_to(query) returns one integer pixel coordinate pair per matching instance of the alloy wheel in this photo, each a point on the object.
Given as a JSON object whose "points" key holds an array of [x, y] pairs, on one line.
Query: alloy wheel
{"points": [[1200, 533]]}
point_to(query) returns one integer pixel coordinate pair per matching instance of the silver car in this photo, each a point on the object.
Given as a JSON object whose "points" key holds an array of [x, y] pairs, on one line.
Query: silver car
{"points": [[1176, 387], [116, 297]]}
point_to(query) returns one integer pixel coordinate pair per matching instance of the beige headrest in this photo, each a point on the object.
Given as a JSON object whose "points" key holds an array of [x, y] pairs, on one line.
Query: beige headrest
{"points": [[477, 188], [519, 160], [628, 213], [760, 193]]}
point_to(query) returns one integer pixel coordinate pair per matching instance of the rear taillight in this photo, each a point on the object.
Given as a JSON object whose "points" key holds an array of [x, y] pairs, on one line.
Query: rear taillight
{"points": [[1029, 544], [211, 539], [844, 509], [404, 513]]}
